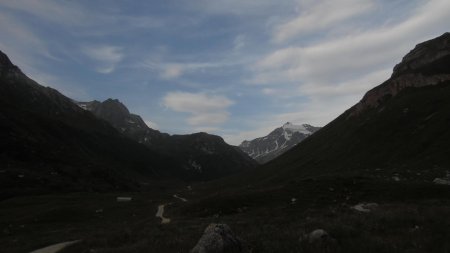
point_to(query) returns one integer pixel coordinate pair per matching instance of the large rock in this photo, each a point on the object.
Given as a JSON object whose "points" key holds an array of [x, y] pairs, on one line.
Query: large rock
{"points": [[219, 238]]}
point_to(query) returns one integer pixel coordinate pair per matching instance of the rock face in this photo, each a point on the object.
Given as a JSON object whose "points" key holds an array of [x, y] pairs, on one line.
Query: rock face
{"points": [[426, 65], [280, 140], [202, 156], [118, 115], [218, 238]]}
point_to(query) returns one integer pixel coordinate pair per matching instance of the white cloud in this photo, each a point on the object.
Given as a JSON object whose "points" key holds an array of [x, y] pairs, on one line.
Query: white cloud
{"points": [[213, 118], [105, 57], [239, 42], [205, 110], [241, 7], [172, 71], [353, 54], [321, 15], [61, 12], [237, 138]]}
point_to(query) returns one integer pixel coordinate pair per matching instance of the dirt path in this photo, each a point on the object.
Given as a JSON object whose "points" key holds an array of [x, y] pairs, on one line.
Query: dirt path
{"points": [[160, 211], [55, 247], [160, 214]]}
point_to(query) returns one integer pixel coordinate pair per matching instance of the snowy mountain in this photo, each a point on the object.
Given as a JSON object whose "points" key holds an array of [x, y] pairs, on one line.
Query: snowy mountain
{"points": [[280, 140]]}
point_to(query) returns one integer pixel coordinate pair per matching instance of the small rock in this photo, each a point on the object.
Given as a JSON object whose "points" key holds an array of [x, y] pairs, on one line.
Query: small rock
{"points": [[293, 200], [218, 238]]}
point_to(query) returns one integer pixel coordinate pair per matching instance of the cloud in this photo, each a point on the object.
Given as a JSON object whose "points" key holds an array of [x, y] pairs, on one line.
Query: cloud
{"points": [[213, 118], [321, 15], [349, 55], [59, 12], [172, 71], [237, 138], [239, 42], [241, 7], [105, 57], [205, 110]]}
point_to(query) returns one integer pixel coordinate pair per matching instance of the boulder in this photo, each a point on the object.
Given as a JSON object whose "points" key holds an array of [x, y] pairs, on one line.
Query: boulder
{"points": [[218, 238], [317, 236]]}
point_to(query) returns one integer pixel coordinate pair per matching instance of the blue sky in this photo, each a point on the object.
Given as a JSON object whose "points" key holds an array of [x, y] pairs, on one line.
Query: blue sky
{"points": [[236, 68]]}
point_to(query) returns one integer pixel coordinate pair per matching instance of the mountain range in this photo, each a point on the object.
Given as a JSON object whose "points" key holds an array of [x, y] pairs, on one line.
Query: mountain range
{"points": [[50, 143], [280, 140], [202, 156]]}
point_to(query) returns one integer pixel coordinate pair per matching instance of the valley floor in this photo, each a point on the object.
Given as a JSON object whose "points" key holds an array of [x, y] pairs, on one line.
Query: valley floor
{"points": [[408, 217]]}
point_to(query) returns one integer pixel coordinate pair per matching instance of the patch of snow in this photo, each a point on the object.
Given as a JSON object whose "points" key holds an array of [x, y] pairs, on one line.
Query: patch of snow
{"points": [[441, 181], [208, 150], [55, 247], [124, 199], [287, 135], [296, 128], [180, 198], [365, 207], [194, 165]]}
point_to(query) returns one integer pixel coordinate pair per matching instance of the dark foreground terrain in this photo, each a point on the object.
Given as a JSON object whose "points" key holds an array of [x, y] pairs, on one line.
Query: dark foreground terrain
{"points": [[410, 217]]}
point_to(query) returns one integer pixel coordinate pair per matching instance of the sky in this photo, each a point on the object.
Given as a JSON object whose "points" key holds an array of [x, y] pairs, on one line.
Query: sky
{"points": [[235, 68]]}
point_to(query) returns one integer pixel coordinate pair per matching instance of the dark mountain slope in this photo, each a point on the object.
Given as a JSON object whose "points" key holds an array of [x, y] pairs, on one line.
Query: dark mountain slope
{"points": [[49, 142], [202, 156], [399, 127], [398, 131]]}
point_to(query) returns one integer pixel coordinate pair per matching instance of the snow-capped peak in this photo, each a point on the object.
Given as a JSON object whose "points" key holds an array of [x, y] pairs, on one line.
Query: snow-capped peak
{"points": [[277, 142], [296, 128]]}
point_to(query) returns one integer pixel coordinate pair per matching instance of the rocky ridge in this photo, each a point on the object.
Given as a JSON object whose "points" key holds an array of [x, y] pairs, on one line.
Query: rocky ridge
{"points": [[202, 156], [280, 140]]}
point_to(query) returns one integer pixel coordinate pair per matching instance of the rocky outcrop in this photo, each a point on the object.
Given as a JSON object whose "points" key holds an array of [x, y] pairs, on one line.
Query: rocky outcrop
{"points": [[426, 65], [423, 55], [218, 238]]}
